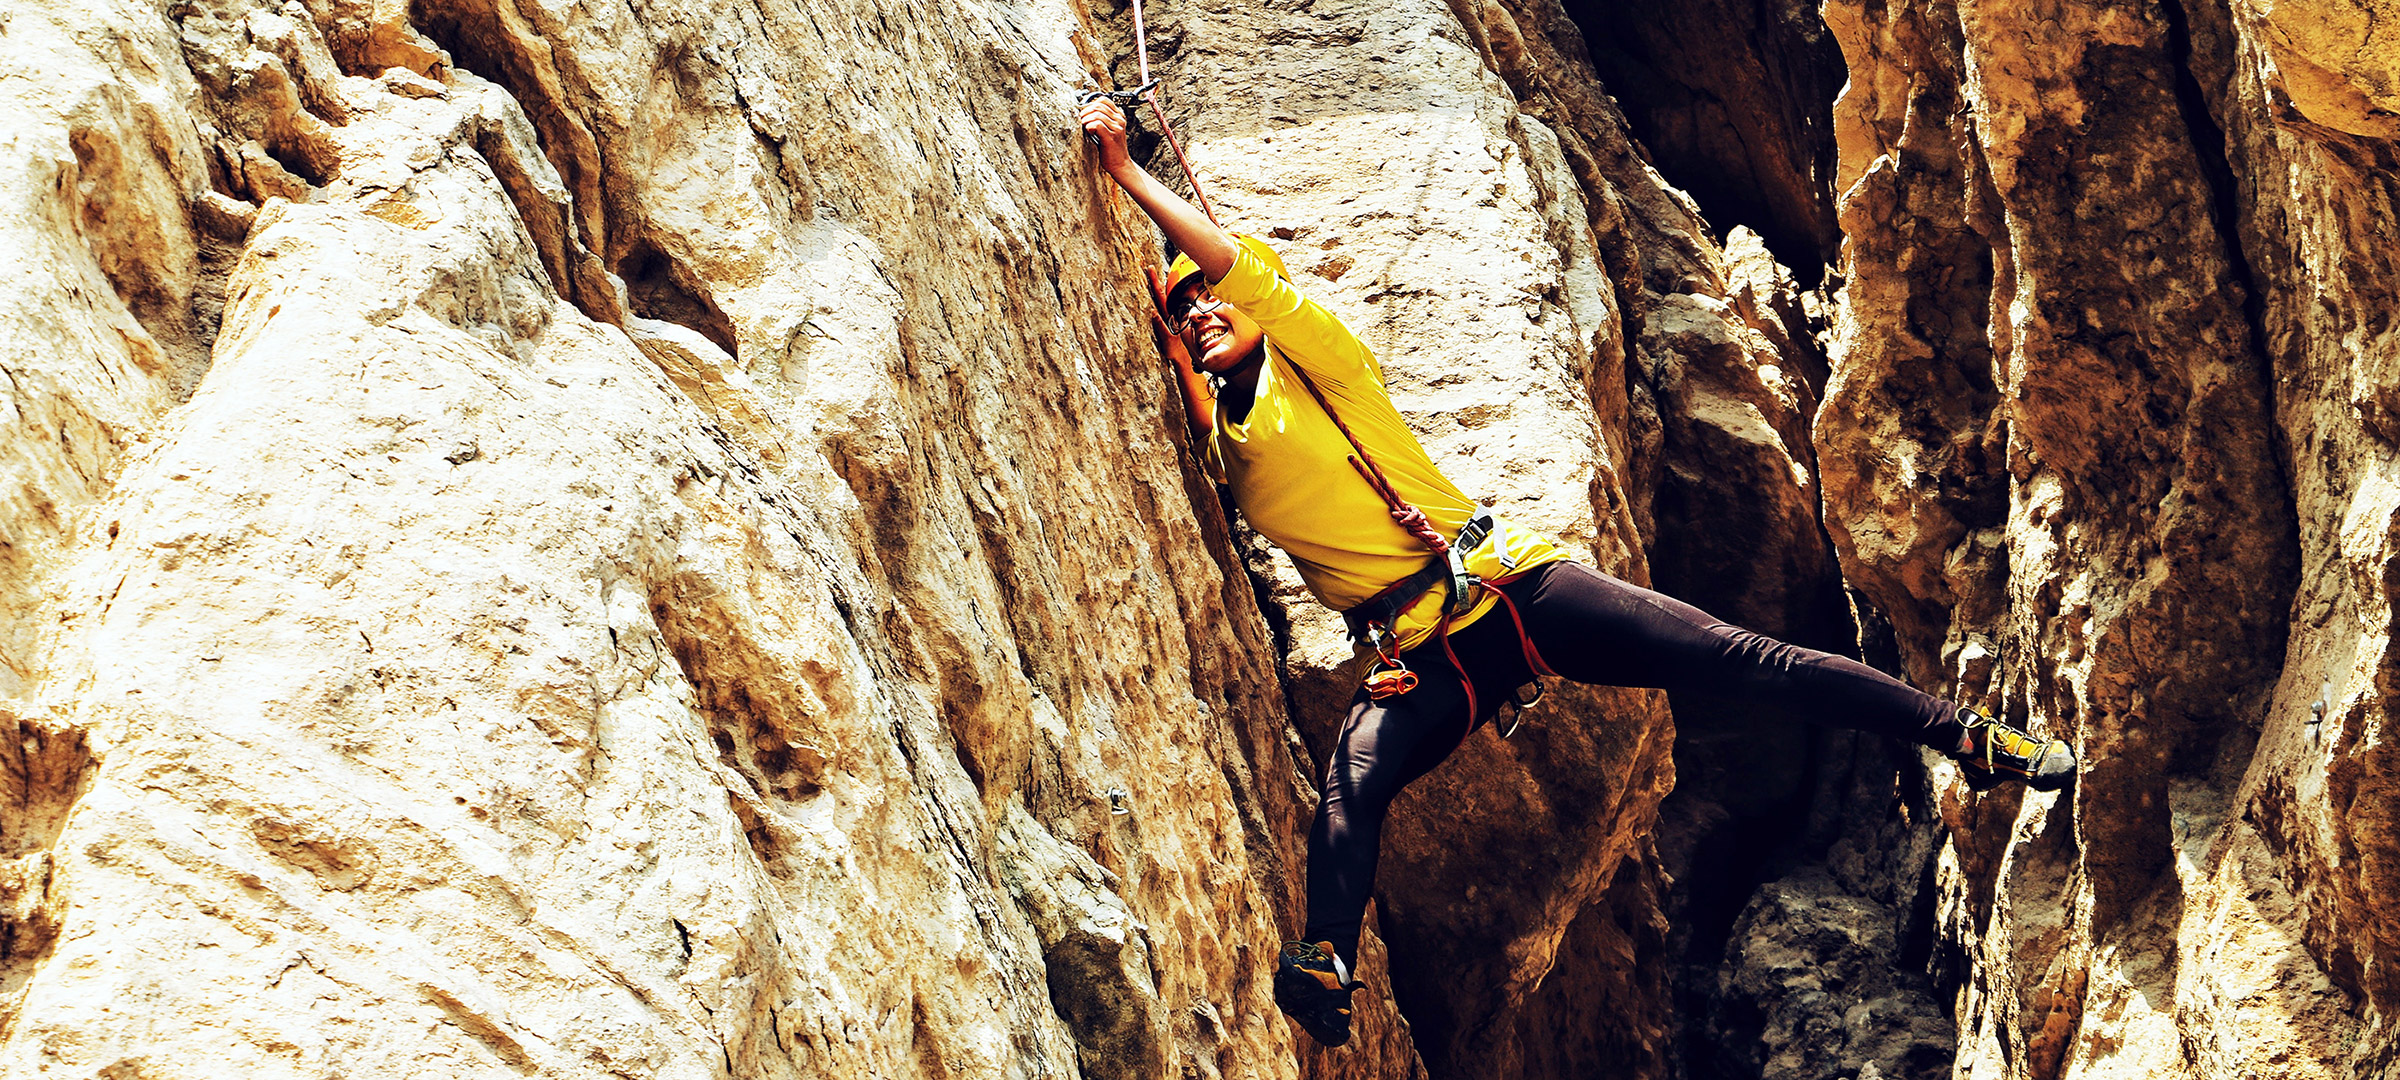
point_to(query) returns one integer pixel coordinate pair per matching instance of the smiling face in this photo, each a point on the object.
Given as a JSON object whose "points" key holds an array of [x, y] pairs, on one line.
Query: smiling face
{"points": [[1220, 338]]}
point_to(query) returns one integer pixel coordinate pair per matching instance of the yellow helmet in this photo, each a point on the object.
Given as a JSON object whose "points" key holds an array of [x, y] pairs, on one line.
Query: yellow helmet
{"points": [[1183, 266]]}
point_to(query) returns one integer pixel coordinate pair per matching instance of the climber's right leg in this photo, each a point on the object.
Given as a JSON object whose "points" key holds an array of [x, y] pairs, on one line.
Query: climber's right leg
{"points": [[1384, 744]]}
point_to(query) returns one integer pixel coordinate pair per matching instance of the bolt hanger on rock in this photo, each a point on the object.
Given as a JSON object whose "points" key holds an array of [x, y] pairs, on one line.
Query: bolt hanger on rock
{"points": [[1148, 91]]}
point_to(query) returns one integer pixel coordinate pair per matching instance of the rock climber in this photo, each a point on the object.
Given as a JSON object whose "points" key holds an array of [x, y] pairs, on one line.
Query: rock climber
{"points": [[1365, 534]]}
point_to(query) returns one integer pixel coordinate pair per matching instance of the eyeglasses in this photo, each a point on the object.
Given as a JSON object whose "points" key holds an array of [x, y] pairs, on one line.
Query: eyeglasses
{"points": [[1181, 311]]}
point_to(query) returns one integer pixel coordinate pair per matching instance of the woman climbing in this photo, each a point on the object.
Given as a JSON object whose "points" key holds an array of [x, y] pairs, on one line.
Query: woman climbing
{"points": [[1321, 463]]}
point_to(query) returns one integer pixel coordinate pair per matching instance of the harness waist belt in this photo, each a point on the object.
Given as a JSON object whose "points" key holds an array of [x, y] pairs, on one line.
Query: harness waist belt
{"points": [[1375, 616]]}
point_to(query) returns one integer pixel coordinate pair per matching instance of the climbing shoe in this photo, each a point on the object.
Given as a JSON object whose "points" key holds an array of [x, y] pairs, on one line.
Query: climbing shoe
{"points": [[1993, 753], [1313, 988]]}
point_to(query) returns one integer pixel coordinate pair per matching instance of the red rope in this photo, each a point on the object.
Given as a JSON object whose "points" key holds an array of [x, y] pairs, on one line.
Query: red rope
{"points": [[1141, 43], [1533, 656], [1405, 515]]}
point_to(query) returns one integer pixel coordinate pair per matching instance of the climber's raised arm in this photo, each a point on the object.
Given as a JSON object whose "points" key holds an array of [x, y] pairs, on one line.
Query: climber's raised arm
{"points": [[1186, 227]]}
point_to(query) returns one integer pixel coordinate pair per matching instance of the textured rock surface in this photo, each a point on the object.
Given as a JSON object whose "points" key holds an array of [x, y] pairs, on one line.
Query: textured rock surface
{"points": [[644, 540], [458, 663], [2097, 442], [1728, 100], [1810, 987], [634, 541]]}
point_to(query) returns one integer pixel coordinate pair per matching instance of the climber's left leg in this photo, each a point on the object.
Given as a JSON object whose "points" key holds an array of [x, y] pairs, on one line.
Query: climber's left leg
{"points": [[1594, 628]]}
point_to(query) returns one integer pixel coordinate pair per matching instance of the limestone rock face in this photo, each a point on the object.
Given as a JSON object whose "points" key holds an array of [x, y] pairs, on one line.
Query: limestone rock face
{"points": [[1728, 100], [2337, 64], [1814, 964], [2101, 444], [651, 540], [575, 541], [638, 541]]}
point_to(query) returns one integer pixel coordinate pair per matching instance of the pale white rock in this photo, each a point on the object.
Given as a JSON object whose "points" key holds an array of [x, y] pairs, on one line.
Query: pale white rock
{"points": [[630, 540]]}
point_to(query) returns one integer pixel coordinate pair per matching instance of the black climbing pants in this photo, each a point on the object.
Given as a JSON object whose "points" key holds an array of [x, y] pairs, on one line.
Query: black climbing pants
{"points": [[1592, 628]]}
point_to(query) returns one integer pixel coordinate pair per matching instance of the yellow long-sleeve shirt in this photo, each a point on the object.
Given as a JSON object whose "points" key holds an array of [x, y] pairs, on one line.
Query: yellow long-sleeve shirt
{"points": [[1288, 465]]}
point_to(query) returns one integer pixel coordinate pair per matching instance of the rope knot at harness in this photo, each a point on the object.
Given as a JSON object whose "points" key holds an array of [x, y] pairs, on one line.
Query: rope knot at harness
{"points": [[1421, 527]]}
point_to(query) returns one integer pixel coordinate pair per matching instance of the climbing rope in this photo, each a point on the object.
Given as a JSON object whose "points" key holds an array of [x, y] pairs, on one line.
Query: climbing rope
{"points": [[1141, 46], [1403, 512], [1406, 515], [1128, 100], [1391, 675]]}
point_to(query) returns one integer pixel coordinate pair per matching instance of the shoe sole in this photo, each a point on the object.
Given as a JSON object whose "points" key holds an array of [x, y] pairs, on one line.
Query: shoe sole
{"points": [[1291, 984]]}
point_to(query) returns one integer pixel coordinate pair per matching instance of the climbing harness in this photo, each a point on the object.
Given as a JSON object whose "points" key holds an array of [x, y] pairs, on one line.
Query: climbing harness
{"points": [[1371, 622]]}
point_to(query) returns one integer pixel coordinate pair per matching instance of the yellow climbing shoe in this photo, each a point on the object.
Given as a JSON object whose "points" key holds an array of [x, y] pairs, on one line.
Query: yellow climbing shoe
{"points": [[1993, 753]]}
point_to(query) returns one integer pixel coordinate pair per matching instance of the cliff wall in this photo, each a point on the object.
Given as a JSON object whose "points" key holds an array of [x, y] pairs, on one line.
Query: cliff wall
{"points": [[2101, 441], [609, 542], [649, 538], [648, 541]]}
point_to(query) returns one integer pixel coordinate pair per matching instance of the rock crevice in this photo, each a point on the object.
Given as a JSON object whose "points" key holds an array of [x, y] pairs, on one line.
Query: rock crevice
{"points": [[650, 539]]}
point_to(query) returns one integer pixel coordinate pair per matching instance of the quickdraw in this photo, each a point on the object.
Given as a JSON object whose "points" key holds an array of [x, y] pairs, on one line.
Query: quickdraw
{"points": [[1389, 676], [1148, 91], [1128, 100], [1125, 99]]}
